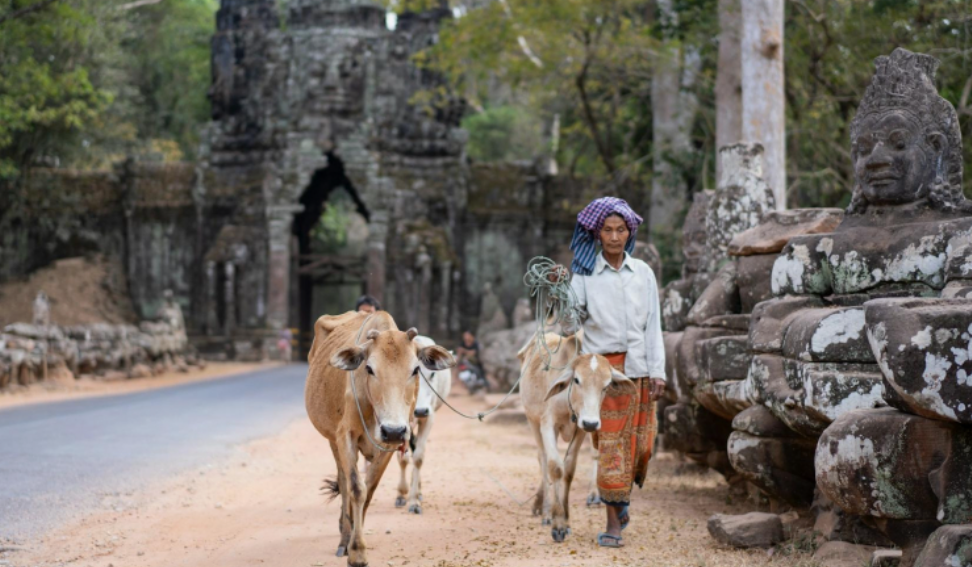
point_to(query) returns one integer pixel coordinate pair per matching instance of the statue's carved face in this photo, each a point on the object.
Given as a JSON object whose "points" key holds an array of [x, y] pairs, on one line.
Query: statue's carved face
{"points": [[335, 81], [894, 160]]}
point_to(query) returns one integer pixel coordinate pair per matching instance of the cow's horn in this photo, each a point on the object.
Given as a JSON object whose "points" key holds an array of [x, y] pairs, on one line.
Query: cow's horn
{"points": [[412, 333], [373, 334]]}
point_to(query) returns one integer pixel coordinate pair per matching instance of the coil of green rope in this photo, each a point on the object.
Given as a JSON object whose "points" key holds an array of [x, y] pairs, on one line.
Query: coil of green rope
{"points": [[556, 302]]}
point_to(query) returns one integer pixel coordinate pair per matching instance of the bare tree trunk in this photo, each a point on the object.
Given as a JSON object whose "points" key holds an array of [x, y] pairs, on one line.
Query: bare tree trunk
{"points": [[764, 110], [728, 87], [674, 105]]}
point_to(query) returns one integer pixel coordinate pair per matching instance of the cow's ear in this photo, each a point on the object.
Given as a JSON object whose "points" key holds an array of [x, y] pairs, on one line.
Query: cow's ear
{"points": [[624, 382], [436, 358], [412, 333], [561, 383], [349, 358]]}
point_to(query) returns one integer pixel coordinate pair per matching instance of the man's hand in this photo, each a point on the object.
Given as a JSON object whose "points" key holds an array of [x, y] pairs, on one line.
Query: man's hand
{"points": [[657, 389]]}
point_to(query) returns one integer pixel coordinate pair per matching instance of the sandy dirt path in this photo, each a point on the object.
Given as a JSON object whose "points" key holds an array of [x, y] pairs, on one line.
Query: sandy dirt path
{"points": [[264, 508]]}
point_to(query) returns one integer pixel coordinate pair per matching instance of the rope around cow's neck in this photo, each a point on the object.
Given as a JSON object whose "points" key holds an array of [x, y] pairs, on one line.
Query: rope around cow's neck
{"points": [[357, 402]]}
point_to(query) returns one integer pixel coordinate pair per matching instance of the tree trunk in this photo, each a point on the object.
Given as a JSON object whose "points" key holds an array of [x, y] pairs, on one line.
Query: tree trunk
{"points": [[674, 105], [728, 87], [764, 116]]}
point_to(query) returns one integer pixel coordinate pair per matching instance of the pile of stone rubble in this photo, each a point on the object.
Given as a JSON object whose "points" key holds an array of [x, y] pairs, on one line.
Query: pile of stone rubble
{"points": [[39, 351]]}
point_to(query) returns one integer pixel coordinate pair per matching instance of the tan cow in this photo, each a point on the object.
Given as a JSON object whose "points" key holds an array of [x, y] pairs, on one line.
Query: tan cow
{"points": [[563, 401], [426, 405], [363, 361]]}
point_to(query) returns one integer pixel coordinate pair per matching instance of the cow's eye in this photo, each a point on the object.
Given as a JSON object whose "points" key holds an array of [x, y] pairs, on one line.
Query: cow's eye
{"points": [[415, 372], [369, 370], [577, 381]]}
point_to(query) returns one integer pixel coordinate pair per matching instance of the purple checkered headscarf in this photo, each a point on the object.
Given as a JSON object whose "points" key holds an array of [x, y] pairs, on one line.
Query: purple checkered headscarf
{"points": [[588, 231]]}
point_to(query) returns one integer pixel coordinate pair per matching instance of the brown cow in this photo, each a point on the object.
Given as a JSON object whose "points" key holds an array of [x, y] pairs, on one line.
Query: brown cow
{"points": [[383, 363], [562, 398]]}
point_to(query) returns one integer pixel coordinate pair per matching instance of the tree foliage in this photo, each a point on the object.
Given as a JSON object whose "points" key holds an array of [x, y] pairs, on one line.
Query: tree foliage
{"points": [[86, 82], [592, 61]]}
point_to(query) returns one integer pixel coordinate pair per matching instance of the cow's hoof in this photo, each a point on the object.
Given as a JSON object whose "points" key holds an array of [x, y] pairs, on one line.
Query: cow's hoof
{"points": [[546, 522], [342, 551], [593, 500], [357, 564], [415, 509], [400, 502], [559, 535]]}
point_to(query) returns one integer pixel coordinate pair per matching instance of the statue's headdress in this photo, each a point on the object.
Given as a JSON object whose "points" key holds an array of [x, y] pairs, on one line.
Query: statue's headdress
{"points": [[904, 82]]}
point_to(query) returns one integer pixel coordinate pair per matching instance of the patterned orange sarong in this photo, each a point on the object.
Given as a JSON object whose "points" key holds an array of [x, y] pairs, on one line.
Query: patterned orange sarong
{"points": [[626, 439]]}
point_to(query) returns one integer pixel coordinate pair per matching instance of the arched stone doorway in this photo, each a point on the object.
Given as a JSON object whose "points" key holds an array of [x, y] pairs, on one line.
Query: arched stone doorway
{"points": [[330, 266]]}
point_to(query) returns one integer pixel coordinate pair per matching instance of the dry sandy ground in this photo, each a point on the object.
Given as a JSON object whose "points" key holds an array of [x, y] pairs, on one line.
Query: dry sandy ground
{"points": [[264, 508], [57, 390]]}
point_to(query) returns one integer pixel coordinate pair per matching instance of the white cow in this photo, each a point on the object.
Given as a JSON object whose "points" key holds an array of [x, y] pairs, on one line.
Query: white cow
{"points": [[562, 400], [426, 404]]}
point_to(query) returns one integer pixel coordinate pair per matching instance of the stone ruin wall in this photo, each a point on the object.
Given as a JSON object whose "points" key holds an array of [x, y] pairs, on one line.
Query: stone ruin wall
{"points": [[824, 360]]}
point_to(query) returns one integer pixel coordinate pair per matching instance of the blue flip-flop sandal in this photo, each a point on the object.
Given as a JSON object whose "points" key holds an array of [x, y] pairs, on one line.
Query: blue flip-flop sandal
{"points": [[605, 539]]}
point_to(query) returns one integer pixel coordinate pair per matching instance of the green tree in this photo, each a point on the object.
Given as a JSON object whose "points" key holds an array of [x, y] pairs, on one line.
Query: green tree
{"points": [[47, 91]]}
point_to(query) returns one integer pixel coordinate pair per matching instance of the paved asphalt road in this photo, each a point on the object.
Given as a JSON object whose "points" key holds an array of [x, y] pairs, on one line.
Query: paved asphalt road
{"points": [[58, 460]]}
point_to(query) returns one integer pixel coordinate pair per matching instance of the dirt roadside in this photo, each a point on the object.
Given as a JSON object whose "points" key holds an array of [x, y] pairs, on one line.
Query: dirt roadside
{"points": [[85, 387], [264, 508]]}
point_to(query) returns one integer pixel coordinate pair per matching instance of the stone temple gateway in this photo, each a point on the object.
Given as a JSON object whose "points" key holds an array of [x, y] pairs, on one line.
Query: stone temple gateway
{"points": [[316, 109], [307, 103]]}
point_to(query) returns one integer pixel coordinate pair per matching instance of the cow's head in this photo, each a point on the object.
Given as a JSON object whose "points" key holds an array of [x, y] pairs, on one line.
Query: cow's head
{"points": [[586, 380], [425, 402], [389, 361]]}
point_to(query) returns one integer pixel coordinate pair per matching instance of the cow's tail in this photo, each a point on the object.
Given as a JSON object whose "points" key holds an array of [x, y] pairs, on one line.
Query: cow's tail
{"points": [[331, 489]]}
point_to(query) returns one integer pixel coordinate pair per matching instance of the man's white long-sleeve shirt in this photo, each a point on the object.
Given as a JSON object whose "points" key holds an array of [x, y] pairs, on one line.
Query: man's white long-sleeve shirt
{"points": [[621, 313]]}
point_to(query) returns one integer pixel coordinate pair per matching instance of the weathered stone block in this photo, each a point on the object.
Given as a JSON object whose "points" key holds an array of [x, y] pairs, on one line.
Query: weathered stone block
{"points": [[800, 270], [721, 297], [753, 276], [676, 300], [836, 335], [843, 554], [688, 363], [948, 546], [756, 529], [893, 465], [760, 421], [783, 467], [771, 318], [725, 399], [723, 358], [924, 348], [778, 227]]}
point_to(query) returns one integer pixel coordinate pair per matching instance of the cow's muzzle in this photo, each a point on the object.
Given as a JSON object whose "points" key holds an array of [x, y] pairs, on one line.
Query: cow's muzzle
{"points": [[421, 412], [393, 433], [590, 426]]}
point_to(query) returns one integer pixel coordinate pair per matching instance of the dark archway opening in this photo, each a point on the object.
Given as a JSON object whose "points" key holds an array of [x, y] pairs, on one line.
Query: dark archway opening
{"points": [[331, 259]]}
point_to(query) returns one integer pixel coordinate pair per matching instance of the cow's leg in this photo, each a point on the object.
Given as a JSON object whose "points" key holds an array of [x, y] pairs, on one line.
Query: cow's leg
{"points": [[541, 504], [403, 459], [354, 487], [418, 457], [593, 496], [344, 520], [375, 471], [555, 477], [570, 466]]}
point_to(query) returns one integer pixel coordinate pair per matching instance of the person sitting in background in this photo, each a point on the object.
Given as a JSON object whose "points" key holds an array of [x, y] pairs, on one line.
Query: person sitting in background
{"points": [[467, 359], [367, 304]]}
